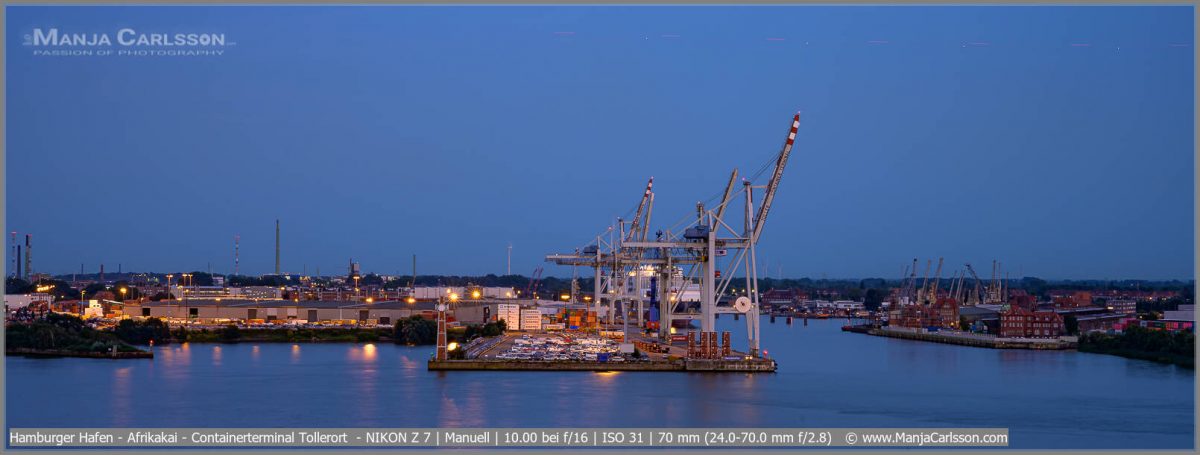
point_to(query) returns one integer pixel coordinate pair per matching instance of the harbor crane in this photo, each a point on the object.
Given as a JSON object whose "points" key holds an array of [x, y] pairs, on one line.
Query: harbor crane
{"points": [[626, 259]]}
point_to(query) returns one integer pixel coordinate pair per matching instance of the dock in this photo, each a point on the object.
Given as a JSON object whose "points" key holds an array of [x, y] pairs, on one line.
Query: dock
{"points": [[681, 365], [967, 339]]}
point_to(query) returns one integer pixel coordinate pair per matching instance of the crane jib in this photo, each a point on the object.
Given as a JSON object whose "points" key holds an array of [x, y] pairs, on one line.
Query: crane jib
{"points": [[773, 185]]}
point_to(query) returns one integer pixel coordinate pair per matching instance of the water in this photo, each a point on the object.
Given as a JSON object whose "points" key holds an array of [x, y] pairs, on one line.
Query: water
{"points": [[826, 378]]}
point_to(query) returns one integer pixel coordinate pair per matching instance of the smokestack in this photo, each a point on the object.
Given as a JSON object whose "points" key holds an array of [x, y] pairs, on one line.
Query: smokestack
{"points": [[101, 273], [15, 255], [28, 254], [236, 239], [19, 275], [277, 246]]}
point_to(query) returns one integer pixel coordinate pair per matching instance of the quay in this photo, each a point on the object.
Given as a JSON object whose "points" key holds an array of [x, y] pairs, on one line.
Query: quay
{"points": [[29, 352], [680, 365], [967, 339], [582, 352]]}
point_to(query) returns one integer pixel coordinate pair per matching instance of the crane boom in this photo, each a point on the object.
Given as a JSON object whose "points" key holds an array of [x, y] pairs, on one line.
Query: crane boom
{"points": [[646, 224], [773, 184], [937, 278], [725, 198], [637, 217]]}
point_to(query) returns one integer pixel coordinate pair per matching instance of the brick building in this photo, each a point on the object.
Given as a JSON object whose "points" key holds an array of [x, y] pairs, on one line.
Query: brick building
{"points": [[941, 314], [1077, 299], [1018, 322]]}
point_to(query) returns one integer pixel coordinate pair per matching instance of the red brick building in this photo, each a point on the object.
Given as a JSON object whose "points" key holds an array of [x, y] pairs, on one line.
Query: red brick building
{"points": [[941, 314], [1018, 322], [1078, 299]]}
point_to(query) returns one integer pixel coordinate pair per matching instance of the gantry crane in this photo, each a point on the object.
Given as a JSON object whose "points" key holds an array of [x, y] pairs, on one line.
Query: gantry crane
{"points": [[699, 247]]}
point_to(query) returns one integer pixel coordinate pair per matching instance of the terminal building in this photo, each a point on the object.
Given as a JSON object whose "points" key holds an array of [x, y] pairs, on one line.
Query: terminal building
{"points": [[319, 312]]}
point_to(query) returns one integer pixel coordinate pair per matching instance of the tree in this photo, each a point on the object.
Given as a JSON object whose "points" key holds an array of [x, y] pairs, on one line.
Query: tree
{"points": [[415, 330], [14, 285], [1071, 323], [873, 299]]}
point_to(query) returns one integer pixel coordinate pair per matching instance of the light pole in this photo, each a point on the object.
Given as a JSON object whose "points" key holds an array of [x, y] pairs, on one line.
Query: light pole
{"points": [[186, 311], [123, 291]]}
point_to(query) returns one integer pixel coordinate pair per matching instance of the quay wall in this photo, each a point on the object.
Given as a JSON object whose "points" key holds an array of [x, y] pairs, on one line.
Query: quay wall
{"points": [[695, 365], [973, 340]]}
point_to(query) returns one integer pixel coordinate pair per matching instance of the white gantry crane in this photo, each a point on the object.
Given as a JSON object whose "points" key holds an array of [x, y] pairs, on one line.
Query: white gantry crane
{"points": [[685, 265]]}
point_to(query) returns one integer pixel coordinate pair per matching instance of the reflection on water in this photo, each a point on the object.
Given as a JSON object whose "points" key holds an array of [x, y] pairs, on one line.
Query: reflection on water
{"points": [[121, 396], [827, 378]]}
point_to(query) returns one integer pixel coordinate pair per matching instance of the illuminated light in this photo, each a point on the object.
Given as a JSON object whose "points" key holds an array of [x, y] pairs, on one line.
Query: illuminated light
{"points": [[475, 294], [452, 346], [412, 300], [672, 330], [370, 300], [453, 296]]}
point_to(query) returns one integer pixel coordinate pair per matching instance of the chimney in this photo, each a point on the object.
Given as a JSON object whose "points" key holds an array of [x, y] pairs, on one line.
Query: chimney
{"points": [[15, 255], [101, 273], [28, 254], [277, 246]]}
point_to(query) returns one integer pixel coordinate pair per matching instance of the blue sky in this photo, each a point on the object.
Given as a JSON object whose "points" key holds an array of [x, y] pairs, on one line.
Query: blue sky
{"points": [[1058, 140]]}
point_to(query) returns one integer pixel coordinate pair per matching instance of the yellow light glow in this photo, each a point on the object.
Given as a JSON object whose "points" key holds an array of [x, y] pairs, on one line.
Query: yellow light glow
{"points": [[452, 346], [672, 330], [453, 296], [475, 294], [370, 300], [412, 300]]}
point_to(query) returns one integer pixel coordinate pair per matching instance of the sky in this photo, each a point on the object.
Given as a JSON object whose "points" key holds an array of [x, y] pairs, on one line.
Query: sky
{"points": [[1057, 140]]}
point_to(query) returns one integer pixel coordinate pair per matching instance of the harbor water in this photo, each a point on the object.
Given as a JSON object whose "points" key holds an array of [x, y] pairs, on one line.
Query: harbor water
{"points": [[826, 378]]}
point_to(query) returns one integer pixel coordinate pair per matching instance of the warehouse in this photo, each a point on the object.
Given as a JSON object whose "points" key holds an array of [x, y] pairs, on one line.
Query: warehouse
{"points": [[212, 311]]}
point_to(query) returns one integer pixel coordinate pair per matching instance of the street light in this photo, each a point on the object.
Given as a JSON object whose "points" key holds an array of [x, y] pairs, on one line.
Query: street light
{"points": [[123, 291]]}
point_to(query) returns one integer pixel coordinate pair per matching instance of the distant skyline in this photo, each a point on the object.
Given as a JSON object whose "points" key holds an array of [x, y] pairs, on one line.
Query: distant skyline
{"points": [[1058, 140]]}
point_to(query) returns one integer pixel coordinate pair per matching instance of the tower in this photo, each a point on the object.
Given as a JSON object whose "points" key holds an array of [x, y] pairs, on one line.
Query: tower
{"points": [[277, 246], [236, 239], [28, 255], [101, 273], [441, 331]]}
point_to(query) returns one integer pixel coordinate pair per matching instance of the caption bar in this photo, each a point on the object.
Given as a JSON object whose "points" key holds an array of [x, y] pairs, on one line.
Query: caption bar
{"points": [[507, 437]]}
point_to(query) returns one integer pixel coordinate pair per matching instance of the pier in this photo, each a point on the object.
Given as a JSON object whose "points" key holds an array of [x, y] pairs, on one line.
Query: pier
{"points": [[680, 365], [966, 339]]}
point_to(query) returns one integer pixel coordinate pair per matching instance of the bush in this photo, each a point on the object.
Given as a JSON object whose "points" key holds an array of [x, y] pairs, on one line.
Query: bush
{"points": [[416, 330]]}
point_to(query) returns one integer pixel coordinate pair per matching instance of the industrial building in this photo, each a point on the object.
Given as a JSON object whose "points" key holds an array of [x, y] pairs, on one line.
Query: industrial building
{"points": [[510, 313], [218, 311]]}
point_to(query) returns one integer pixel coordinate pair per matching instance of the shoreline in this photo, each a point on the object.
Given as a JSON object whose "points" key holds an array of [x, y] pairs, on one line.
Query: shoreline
{"points": [[61, 353], [1052, 344], [684, 366]]}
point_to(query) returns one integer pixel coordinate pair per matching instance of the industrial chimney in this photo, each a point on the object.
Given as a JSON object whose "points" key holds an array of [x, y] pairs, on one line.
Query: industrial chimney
{"points": [[28, 254], [277, 246]]}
